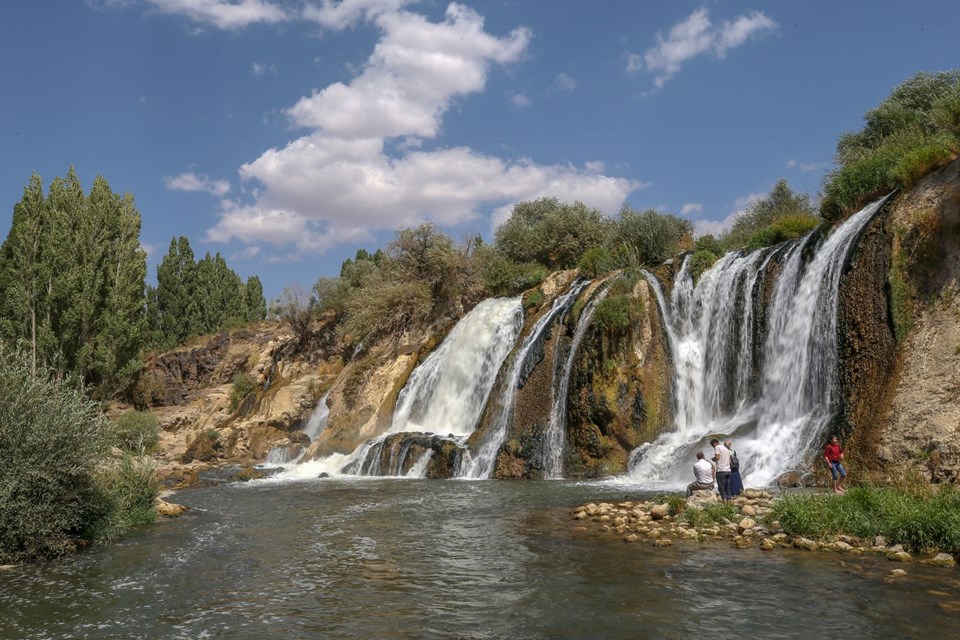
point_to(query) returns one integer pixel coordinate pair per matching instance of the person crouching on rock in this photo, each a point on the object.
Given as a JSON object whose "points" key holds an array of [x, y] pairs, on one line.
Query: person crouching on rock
{"points": [[833, 454], [704, 473], [721, 455]]}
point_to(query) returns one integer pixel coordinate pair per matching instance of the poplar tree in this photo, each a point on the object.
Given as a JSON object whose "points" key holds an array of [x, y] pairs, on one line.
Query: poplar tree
{"points": [[255, 303]]}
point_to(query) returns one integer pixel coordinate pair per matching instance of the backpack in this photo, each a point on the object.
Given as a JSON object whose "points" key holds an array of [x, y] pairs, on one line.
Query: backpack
{"points": [[734, 461]]}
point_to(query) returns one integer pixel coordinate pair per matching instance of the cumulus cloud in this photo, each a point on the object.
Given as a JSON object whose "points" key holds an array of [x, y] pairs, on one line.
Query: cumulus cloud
{"points": [[340, 15], [338, 183], [193, 182], [714, 227], [259, 69], [519, 100], [691, 207], [223, 14], [696, 36], [805, 166]]}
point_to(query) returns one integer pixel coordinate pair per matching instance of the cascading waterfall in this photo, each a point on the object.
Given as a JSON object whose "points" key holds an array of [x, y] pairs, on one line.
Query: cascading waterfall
{"points": [[316, 423], [446, 393], [713, 335], [554, 436], [479, 463]]}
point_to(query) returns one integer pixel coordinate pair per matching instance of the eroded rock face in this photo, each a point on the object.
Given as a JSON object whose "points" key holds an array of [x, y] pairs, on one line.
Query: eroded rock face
{"points": [[921, 429]]}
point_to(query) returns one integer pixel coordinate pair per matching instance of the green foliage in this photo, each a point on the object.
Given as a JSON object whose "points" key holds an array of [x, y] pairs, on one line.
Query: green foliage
{"points": [[653, 235], [136, 432], [901, 296], [550, 232], [917, 520], [700, 261], [296, 310], [783, 214], [500, 276], [53, 461], [615, 314], [596, 261], [243, 386], [533, 299], [677, 504], [915, 130], [127, 490], [711, 514], [708, 243], [72, 282]]}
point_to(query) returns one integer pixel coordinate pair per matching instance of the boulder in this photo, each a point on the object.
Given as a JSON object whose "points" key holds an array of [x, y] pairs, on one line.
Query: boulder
{"points": [[942, 560], [660, 511], [169, 509], [746, 524], [663, 542], [899, 556], [749, 510], [767, 544], [806, 544], [700, 499]]}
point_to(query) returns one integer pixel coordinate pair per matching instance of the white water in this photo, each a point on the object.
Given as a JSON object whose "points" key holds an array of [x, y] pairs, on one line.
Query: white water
{"points": [[554, 440], [281, 454], [446, 393], [712, 335], [479, 463]]}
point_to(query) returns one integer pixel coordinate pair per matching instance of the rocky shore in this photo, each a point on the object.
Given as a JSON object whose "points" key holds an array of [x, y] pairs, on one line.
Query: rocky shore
{"points": [[746, 523]]}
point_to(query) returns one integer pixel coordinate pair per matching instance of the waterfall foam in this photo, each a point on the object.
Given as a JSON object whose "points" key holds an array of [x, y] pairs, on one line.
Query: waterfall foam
{"points": [[479, 463], [713, 336]]}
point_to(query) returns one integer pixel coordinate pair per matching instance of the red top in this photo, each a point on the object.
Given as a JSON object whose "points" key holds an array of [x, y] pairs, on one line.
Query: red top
{"points": [[833, 452]]}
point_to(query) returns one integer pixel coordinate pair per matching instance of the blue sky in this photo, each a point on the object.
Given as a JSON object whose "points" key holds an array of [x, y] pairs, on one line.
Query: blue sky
{"points": [[286, 134]]}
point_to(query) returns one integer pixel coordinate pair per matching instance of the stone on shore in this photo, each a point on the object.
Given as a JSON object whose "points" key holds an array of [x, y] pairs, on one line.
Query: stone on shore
{"points": [[806, 544], [660, 511], [169, 509], [767, 544], [942, 560]]}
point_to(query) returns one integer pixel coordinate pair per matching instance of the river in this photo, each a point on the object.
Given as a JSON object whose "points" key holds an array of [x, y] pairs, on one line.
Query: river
{"points": [[385, 558]]}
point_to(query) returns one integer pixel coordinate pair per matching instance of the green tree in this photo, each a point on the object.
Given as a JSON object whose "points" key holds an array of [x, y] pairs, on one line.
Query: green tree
{"points": [[782, 214], [176, 307], [552, 233], [255, 304]]}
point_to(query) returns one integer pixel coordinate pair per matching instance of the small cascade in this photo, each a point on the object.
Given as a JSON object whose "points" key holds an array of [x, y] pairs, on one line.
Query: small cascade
{"points": [[480, 463], [288, 453], [775, 405], [555, 436]]}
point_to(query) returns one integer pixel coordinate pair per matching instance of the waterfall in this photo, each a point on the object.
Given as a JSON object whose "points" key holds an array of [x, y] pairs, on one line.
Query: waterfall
{"points": [[444, 395], [480, 463], [713, 335], [554, 436], [283, 454], [318, 419]]}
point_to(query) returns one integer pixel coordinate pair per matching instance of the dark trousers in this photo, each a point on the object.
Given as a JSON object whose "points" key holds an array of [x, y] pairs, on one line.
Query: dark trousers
{"points": [[723, 484]]}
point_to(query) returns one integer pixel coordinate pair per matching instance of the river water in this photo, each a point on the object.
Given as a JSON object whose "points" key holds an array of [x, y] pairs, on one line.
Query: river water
{"points": [[386, 558]]}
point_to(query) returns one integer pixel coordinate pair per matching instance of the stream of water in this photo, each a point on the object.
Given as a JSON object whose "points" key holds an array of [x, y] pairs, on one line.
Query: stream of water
{"points": [[376, 558]]}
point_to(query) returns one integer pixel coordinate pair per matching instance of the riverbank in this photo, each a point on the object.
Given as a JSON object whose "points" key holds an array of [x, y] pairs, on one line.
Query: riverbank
{"points": [[758, 519]]}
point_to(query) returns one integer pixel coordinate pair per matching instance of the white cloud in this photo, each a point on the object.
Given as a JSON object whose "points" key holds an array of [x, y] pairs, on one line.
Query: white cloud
{"points": [[743, 202], [259, 69], [519, 100], [691, 207], [805, 166], [341, 181], [340, 15], [223, 14], [565, 82], [696, 36], [148, 248], [714, 227], [194, 182]]}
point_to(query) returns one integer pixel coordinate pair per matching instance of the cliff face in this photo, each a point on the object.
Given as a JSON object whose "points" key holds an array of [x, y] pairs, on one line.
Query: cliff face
{"points": [[921, 417]]}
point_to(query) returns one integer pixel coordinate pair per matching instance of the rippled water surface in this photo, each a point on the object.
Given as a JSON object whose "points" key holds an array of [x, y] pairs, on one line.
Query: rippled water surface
{"points": [[385, 558]]}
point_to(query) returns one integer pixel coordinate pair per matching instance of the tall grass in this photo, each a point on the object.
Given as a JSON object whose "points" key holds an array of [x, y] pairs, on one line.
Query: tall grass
{"points": [[917, 519]]}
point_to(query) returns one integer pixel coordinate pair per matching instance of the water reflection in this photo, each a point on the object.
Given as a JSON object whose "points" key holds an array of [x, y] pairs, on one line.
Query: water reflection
{"points": [[445, 559]]}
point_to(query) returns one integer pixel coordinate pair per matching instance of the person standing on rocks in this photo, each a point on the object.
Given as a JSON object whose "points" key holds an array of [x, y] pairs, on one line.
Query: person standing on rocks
{"points": [[833, 454], [703, 473], [736, 482], [721, 455]]}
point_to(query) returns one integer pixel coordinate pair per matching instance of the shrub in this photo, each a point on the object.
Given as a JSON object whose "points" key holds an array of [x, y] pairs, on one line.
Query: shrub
{"points": [[677, 504], [655, 236], [710, 514], [788, 227], [915, 130], [243, 386], [595, 262], [127, 493], [136, 431], [533, 299], [53, 456], [700, 262], [901, 296], [782, 214], [615, 314]]}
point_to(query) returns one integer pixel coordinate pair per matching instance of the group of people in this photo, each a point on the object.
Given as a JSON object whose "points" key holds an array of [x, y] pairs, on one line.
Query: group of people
{"points": [[724, 470]]}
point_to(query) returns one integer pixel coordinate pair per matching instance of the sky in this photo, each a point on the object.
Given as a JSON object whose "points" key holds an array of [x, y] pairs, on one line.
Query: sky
{"points": [[287, 134]]}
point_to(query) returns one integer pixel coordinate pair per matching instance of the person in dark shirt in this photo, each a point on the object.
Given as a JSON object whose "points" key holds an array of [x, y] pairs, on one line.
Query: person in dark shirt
{"points": [[833, 454]]}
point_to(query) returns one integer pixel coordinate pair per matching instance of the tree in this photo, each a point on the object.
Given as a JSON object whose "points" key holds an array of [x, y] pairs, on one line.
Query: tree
{"points": [[759, 224], [176, 309], [552, 233], [296, 311], [254, 303]]}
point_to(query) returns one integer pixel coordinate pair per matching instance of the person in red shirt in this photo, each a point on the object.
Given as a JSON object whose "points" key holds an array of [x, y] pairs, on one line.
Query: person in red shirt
{"points": [[833, 454]]}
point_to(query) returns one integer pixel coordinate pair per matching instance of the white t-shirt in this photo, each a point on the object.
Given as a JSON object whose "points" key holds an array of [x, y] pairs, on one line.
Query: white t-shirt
{"points": [[722, 454], [703, 471]]}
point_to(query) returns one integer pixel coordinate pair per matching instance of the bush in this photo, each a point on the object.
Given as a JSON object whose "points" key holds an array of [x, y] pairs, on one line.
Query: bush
{"points": [[915, 130], [550, 232], [615, 314], [922, 520], [700, 262], [136, 432], [595, 262], [127, 492], [243, 386], [782, 214], [52, 456], [788, 227], [655, 236], [533, 299], [710, 514]]}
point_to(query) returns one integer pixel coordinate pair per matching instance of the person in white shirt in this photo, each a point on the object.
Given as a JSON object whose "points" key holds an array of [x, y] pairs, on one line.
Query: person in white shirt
{"points": [[703, 473], [721, 455]]}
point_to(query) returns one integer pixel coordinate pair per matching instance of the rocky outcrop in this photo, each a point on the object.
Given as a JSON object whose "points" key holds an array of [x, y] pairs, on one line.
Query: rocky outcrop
{"points": [[399, 453], [921, 421], [619, 394]]}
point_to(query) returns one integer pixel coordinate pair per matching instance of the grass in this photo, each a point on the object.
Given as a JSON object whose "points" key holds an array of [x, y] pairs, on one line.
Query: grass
{"points": [[711, 514], [243, 386], [921, 519]]}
